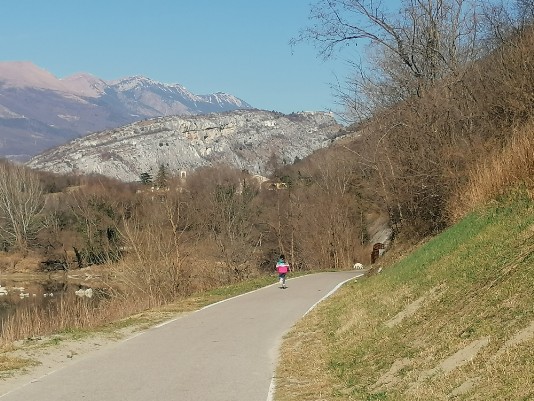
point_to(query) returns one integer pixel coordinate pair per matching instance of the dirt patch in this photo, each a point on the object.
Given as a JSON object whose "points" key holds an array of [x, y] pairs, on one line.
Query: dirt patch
{"points": [[456, 360], [412, 308], [461, 357], [524, 335], [465, 387], [390, 378]]}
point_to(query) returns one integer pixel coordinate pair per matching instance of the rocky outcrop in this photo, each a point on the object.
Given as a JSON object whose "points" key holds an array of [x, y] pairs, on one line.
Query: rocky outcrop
{"points": [[246, 139]]}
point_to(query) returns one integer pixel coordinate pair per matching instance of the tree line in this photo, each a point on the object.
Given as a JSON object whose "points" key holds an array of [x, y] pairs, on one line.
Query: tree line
{"points": [[443, 86], [218, 218]]}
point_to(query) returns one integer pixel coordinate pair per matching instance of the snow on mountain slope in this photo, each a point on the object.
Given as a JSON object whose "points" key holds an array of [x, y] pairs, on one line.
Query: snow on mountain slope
{"points": [[39, 110]]}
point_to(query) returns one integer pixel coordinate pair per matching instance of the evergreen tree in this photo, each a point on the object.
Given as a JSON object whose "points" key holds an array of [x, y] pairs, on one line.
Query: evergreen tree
{"points": [[162, 177]]}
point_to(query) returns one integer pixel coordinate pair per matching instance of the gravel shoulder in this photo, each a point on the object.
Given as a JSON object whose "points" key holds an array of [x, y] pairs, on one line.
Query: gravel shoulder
{"points": [[45, 355]]}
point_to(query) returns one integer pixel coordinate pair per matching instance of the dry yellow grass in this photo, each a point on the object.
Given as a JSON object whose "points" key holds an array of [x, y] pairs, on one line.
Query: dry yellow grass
{"points": [[9, 364], [507, 169], [309, 381]]}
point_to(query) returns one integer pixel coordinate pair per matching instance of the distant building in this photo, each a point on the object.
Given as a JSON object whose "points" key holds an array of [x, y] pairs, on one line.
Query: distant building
{"points": [[271, 185]]}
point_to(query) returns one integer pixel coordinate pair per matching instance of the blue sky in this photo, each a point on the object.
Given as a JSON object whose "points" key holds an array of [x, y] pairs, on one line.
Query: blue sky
{"points": [[235, 46]]}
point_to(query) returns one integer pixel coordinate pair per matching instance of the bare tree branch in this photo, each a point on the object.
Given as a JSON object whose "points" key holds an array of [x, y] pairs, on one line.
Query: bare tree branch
{"points": [[21, 201]]}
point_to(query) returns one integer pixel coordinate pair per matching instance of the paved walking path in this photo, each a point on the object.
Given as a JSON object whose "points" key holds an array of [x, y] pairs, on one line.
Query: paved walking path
{"points": [[225, 352]]}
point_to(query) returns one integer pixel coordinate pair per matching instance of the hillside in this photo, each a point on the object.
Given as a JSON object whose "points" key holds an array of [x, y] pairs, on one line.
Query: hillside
{"points": [[244, 139], [452, 320]]}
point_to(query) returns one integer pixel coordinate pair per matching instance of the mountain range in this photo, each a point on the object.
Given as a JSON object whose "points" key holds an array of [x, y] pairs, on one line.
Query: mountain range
{"points": [[246, 139], [39, 111]]}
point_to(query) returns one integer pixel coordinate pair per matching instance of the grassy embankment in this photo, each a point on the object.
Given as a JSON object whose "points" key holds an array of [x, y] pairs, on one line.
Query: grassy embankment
{"points": [[452, 320]]}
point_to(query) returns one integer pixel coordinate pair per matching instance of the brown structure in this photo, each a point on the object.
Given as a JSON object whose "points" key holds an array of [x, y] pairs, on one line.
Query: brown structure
{"points": [[376, 251], [273, 185]]}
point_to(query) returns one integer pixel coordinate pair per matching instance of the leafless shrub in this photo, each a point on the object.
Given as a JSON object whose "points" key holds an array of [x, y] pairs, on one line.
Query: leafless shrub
{"points": [[152, 234]]}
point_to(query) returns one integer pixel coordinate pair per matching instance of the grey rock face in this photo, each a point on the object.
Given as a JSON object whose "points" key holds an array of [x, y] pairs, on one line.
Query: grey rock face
{"points": [[246, 139]]}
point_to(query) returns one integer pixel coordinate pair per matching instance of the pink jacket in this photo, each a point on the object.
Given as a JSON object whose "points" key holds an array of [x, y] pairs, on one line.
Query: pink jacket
{"points": [[282, 267]]}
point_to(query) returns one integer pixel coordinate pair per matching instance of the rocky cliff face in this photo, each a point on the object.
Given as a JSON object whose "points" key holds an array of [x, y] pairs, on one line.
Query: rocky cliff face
{"points": [[39, 111], [246, 139]]}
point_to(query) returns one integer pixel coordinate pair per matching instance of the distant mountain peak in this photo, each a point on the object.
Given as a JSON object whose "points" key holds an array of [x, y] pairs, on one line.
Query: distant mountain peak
{"points": [[21, 74], [127, 83], [85, 84], [39, 111]]}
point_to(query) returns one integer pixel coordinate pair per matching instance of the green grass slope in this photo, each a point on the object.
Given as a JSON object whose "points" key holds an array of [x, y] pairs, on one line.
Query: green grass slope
{"points": [[453, 320]]}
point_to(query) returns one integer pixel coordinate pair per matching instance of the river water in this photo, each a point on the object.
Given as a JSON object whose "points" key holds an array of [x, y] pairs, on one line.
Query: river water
{"points": [[17, 292]]}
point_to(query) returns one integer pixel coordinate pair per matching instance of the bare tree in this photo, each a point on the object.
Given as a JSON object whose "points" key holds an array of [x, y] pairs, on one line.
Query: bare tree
{"points": [[504, 19], [21, 201], [408, 49], [153, 232], [225, 207], [525, 8], [324, 212], [95, 210]]}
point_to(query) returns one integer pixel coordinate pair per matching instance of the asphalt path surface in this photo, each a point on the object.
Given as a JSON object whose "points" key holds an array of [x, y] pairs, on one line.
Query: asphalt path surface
{"points": [[224, 352]]}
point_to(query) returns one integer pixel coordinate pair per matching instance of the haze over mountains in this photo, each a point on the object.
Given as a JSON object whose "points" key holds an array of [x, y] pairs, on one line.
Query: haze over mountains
{"points": [[39, 111]]}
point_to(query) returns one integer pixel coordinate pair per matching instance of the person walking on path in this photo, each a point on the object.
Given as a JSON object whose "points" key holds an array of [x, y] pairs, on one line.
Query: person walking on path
{"points": [[282, 267]]}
